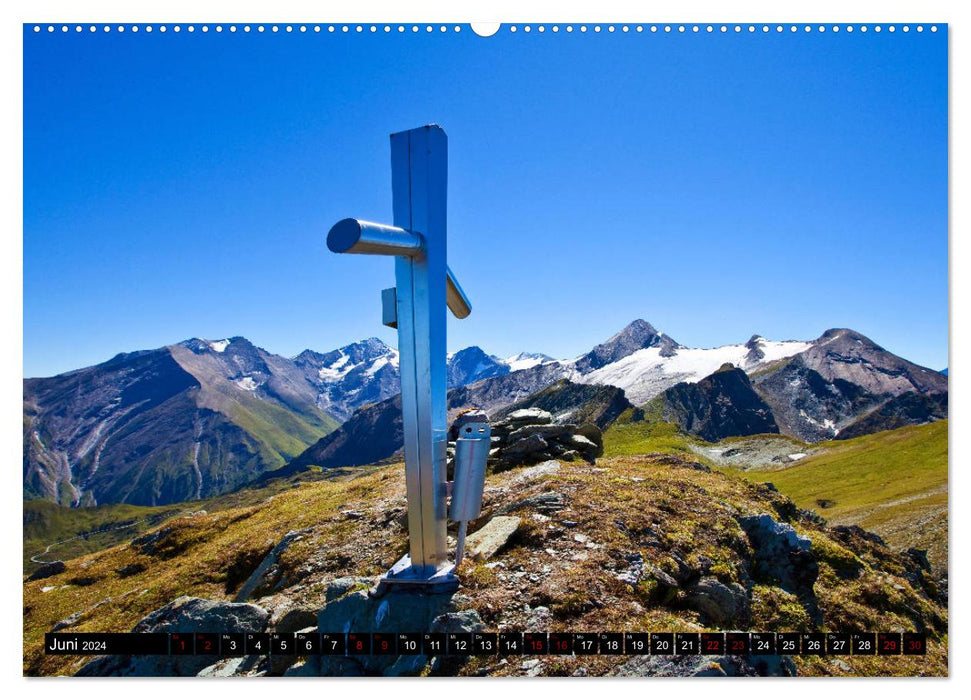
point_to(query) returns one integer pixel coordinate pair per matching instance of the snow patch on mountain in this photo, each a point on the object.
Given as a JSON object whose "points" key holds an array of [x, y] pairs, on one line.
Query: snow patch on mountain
{"points": [[525, 360], [247, 383], [219, 345], [646, 373]]}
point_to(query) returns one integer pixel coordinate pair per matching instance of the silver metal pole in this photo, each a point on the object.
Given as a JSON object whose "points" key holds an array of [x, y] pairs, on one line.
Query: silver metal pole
{"points": [[419, 175]]}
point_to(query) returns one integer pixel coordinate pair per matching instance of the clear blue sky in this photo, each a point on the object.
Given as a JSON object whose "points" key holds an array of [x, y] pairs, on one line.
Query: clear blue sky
{"points": [[714, 185]]}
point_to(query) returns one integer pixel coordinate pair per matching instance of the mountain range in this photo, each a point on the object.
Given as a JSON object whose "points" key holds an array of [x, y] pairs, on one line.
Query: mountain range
{"points": [[202, 418]]}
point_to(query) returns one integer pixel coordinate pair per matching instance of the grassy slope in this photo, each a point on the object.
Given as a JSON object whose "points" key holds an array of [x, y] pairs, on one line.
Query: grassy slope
{"points": [[690, 512], [85, 530], [893, 483], [626, 437]]}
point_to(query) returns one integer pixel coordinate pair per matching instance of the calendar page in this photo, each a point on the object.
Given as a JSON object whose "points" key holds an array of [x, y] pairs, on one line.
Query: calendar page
{"points": [[522, 349]]}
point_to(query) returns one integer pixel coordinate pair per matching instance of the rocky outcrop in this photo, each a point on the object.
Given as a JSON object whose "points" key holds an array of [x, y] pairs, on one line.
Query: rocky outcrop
{"points": [[907, 409], [187, 615], [782, 556], [393, 612], [575, 403], [721, 405], [529, 436], [256, 579], [721, 603]]}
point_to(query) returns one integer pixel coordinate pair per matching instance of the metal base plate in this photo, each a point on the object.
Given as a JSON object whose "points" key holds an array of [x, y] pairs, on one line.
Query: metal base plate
{"points": [[404, 576]]}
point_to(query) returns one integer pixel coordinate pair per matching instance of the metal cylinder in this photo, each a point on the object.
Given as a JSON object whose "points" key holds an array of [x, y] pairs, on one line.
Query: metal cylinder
{"points": [[356, 236], [471, 453], [455, 298]]}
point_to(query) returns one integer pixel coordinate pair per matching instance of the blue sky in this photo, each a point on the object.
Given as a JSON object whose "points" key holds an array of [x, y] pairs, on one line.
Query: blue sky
{"points": [[714, 185]]}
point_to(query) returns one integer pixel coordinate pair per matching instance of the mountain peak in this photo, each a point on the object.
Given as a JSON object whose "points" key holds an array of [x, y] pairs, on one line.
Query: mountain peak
{"points": [[202, 345], [636, 335]]}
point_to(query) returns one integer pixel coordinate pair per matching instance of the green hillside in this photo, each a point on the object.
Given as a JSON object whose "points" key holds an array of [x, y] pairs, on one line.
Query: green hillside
{"points": [[71, 532], [893, 483]]}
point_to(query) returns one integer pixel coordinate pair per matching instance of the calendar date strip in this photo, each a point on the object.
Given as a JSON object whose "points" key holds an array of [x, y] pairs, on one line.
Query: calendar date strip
{"points": [[228, 644]]}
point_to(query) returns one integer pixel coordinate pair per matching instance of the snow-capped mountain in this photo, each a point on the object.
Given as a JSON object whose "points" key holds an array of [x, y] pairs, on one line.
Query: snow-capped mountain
{"points": [[352, 376], [646, 372], [525, 360], [471, 365]]}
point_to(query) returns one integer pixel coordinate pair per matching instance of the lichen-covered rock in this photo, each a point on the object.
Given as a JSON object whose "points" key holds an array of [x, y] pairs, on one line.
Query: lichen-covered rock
{"points": [[781, 555], [721, 603]]}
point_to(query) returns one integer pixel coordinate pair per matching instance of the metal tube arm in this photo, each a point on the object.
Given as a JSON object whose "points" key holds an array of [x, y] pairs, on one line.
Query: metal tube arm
{"points": [[369, 238]]}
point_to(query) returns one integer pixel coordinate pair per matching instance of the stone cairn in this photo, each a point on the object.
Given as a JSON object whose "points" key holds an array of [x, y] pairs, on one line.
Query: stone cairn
{"points": [[529, 436]]}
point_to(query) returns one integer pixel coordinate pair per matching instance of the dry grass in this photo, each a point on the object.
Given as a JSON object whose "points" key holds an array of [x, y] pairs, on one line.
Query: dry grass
{"points": [[658, 507]]}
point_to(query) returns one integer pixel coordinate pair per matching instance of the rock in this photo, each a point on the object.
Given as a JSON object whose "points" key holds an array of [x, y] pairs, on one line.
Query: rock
{"points": [[592, 433], [529, 474], [719, 602], [256, 579], [546, 503], [393, 612], [130, 570], [233, 666], [525, 446], [339, 587], [781, 555], [547, 431], [74, 618], [530, 415], [184, 614], [540, 618], [47, 570], [296, 619], [663, 578], [487, 541], [146, 544], [680, 666], [187, 614], [458, 622], [586, 447]]}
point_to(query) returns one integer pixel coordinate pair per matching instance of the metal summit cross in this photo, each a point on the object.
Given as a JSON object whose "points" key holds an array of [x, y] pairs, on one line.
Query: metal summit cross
{"points": [[424, 286]]}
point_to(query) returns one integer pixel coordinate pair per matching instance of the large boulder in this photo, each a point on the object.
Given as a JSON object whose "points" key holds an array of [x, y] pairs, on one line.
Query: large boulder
{"points": [[184, 614], [395, 611], [782, 556]]}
